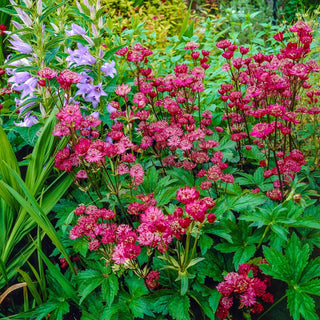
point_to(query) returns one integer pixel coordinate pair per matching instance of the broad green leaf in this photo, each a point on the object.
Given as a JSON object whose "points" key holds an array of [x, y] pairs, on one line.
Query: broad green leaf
{"points": [[312, 270], [159, 300], [136, 286], [243, 254], [297, 257], [110, 287], [299, 303], [139, 307], [7, 155], [205, 243], [178, 307], [89, 280], [214, 299], [61, 309], [278, 266], [311, 287]]}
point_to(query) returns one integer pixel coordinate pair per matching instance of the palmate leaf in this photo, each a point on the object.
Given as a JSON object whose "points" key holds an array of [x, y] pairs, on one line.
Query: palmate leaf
{"points": [[294, 269], [242, 242]]}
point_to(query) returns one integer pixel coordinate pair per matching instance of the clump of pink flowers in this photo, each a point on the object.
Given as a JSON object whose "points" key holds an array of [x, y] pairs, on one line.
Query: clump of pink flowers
{"points": [[245, 289], [263, 103]]}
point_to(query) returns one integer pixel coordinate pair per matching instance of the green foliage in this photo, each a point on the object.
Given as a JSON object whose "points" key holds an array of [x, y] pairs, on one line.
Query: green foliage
{"points": [[159, 18], [24, 205], [300, 274], [178, 307]]}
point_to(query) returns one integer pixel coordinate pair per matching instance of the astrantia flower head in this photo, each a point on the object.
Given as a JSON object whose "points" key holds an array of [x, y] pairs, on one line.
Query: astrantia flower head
{"points": [[122, 90], [151, 279], [191, 45], [47, 73], [223, 44], [187, 194], [67, 78]]}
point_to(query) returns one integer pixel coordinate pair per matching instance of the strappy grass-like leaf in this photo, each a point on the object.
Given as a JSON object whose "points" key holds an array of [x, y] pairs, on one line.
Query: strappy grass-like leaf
{"points": [[31, 286], [37, 215], [15, 222], [66, 286], [7, 154]]}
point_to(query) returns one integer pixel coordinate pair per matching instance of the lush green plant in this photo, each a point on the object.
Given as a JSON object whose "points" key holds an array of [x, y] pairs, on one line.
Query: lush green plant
{"points": [[26, 204], [160, 18], [190, 199]]}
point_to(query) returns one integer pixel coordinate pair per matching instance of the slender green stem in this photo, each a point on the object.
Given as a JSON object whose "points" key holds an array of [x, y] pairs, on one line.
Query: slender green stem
{"points": [[263, 236], [194, 244], [278, 301]]}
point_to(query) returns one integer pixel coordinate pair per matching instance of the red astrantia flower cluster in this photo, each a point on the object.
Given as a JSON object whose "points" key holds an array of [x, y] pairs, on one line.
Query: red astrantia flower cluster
{"points": [[95, 224], [246, 289], [264, 92], [156, 229], [152, 279]]}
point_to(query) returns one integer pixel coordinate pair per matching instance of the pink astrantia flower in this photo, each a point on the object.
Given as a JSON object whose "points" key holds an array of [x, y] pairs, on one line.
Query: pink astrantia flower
{"points": [[122, 90]]}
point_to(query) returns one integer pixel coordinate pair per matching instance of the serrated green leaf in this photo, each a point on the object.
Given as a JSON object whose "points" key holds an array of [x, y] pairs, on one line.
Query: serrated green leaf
{"points": [[110, 288], [312, 270], [278, 266], [248, 200], [307, 222], [205, 243], [159, 300], [243, 254], [61, 309], [214, 299], [297, 257], [300, 303], [178, 307], [110, 311], [140, 307], [311, 287], [219, 230], [89, 280], [280, 231], [136, 286]]}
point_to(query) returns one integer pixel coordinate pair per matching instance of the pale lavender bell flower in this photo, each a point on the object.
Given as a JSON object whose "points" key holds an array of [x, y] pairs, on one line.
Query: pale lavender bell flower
{"points": [[17, 63], [23, 81], [75, 30], [110, 109], [28, 121], [19, 77], [19, 45], [80, 56], [23, 103], [28, 87], [108, 69], [95, 94], [85, 85]]}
